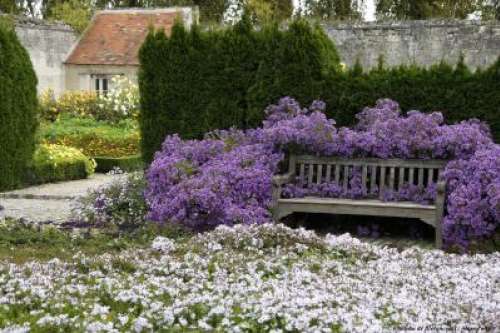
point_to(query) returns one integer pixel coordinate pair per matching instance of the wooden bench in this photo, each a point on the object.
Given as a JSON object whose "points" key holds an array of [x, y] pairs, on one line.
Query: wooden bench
{"points": [[375, 173]]}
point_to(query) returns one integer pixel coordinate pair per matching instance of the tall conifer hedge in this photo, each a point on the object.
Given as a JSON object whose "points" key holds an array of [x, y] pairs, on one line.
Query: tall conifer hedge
{"points": [[18, 108], [196, 81]]}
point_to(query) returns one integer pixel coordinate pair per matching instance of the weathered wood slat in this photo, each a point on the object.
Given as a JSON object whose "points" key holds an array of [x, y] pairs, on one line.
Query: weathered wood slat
{"points": [[319, 174], [328, 173], [310, 174], [426, 164], [381, 185], [430, 178], [345, 178], [373, 178], [421, 177], [364, 175], [302, 172], [392, 175], [411, 179], [337, 173], [401, 180]]}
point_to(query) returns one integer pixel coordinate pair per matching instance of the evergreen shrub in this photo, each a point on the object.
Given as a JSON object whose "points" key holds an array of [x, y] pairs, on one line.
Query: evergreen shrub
{"points": [[196, 81], [18, 108]]}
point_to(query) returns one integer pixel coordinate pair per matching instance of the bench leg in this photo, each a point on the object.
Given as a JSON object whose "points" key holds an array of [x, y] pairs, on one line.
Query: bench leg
{"points": [[440, 200]]}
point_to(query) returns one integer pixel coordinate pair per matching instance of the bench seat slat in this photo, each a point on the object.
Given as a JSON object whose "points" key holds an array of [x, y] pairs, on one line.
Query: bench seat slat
{"points": [[328, 172], [311, 173], [401, 178], [345, 178], [373, 178], [319, 175]]}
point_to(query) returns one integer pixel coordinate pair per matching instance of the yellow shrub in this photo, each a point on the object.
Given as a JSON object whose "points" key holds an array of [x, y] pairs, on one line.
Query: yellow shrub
{"points": [[74, 103]]}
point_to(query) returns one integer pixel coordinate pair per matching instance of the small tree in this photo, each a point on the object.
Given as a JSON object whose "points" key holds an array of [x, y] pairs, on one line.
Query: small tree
{"points": [[18, 108]]}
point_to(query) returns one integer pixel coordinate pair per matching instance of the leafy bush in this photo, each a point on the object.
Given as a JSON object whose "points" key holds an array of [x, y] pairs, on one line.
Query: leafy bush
{"points": [[52, 163], [195, 81], [18, 108], [456, 92], [93, 138], [120, 103], [226, 178], [71, 103], [119, 205]]}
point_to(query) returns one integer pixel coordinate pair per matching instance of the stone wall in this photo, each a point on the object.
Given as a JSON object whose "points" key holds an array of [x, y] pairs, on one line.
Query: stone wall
{"points": [[48, 45], [421, 42]]}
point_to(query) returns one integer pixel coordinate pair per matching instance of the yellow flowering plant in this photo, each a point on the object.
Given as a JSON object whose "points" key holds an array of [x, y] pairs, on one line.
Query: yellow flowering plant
{"points": [[73, 103], [119, 103], [53, 163]]}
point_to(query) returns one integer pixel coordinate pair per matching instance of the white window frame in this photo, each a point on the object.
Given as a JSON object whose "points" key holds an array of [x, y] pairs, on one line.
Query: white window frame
{"points": [[100, 83]]}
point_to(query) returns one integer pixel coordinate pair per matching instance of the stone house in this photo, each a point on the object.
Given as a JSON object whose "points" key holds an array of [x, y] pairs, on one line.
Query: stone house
{"points": [[110, 45]]}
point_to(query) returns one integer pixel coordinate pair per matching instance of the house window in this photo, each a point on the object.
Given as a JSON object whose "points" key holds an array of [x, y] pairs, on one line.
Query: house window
{"points": [[101, 83]]}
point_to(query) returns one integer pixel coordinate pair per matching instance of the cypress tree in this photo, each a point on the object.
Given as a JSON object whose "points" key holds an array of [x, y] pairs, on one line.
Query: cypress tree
{"points": [[18, 109]]}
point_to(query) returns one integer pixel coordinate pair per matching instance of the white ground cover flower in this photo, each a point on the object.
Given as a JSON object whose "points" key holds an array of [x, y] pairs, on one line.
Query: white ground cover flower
{"points": [[255, 278], [163, 244]]}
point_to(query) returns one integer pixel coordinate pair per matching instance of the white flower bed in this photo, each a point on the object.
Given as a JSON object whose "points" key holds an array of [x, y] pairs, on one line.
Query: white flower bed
{"points": [[257, 278]]}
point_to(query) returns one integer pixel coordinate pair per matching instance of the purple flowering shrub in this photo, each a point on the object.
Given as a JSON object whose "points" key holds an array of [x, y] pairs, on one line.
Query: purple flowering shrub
{"points": [[202, 184], [473, 197], [226, 178]]}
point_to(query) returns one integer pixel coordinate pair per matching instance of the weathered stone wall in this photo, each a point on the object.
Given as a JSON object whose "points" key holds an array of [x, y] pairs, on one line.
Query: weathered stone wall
{"points": [[421, 42], [48, 45]]}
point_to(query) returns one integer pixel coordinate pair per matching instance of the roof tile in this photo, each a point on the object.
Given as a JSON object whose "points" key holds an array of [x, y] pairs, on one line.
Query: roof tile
{"points": [[114, 38]]}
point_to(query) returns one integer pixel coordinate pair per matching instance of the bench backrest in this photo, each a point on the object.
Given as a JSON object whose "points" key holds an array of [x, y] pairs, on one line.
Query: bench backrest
{"points": [[375, 173]]}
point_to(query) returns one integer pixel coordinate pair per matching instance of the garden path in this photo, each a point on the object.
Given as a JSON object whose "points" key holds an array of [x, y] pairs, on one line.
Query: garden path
{"points": [[48, 202]]}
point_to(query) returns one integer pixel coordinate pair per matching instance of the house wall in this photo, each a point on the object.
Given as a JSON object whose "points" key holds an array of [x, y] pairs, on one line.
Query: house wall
{"points": [[48, 45], [421, 42], [78, 76]]}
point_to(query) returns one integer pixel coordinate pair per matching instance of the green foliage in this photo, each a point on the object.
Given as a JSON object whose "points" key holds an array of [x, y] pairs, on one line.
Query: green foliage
{"points": [[8, 7], [18, 108], [21, 242], [294, 63], [53, 163], [94, 138], [334, 9], [75, 13], [425, 9], [455, 91], [490, 10], [265, 11], [196, 81]]}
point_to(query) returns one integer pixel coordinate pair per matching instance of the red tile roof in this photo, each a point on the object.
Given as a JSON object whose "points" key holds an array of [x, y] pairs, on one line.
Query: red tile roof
{"points": [[114, 37]]}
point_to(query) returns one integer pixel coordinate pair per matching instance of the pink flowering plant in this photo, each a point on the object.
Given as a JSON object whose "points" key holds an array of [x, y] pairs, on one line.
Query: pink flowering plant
{"points": [[226, 178]]}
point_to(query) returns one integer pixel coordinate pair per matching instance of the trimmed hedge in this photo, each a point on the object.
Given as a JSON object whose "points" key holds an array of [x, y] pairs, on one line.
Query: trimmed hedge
{"points": [[53, 163], [18, 108], [196, 81], [127, 163], [455, 91], [92, 137]]}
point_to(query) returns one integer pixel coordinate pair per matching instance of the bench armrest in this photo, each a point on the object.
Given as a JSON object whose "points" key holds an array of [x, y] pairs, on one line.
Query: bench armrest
{"points": [[441, 187], [280, 180]]}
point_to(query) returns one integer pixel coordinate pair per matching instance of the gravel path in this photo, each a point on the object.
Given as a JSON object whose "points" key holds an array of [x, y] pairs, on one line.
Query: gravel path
{"points": [[48, 202]]}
